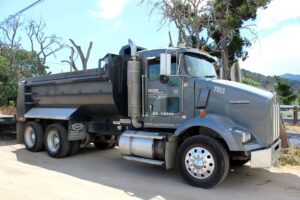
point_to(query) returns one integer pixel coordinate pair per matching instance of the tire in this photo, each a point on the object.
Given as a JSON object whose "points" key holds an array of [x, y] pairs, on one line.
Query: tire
{"points": [[238, 163], [212, 161], [56, 141], [33, 136], [107, 144], [74, 147]]}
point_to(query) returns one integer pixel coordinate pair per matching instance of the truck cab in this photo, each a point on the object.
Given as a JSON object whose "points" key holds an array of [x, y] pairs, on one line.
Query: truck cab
{"points": [[168, 78], [183, 100]]}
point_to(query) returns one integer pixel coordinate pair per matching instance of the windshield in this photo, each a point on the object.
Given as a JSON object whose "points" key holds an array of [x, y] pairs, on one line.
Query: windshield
{"points": [[197, 66]]}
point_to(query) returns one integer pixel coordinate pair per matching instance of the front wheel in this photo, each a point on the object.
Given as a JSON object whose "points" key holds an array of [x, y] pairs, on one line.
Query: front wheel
{"points": [[202, 161]]}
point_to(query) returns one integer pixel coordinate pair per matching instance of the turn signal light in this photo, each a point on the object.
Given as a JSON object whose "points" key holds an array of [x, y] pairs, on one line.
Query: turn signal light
{"points": [[202, 112]]}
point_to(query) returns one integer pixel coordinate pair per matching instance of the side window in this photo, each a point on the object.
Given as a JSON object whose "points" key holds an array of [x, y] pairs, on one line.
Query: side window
{"points": [[154, 68], [172, 104]]}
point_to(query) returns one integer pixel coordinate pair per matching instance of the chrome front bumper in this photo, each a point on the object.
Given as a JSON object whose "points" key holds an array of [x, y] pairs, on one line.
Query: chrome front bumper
{"points": [[265, 158]]}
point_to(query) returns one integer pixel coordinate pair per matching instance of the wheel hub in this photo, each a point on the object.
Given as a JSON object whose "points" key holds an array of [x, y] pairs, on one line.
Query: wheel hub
{"points": [[30, 136], [199, 162], [53, 141]]}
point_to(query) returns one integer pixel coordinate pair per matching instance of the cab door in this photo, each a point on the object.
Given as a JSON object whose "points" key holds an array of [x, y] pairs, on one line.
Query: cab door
{"points": [[163, 95]]}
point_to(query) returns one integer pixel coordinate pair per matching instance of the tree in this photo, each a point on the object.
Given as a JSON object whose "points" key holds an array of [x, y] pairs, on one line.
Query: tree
{"points": [[283, 90], [27, 66], [84, 59], [249, 81], [17, 62], [4, 69], [10, 39], [8, 85], [212, 25], [43, 45], [10, 31], [25, 62], [298, 95]]}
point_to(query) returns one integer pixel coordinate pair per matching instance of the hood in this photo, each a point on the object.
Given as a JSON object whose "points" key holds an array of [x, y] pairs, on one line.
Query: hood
{"points": [[246, 105], [240, 87]]}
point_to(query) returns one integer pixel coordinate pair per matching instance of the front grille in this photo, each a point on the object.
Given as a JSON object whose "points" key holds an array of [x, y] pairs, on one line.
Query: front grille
{"points": [[276, 121]]}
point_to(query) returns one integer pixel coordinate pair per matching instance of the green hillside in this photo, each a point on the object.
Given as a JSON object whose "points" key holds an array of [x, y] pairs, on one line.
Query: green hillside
{"points": [[268, 81]]}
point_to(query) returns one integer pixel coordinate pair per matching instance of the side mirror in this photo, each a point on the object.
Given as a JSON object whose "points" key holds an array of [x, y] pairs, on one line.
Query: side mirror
{"points": [[235, 72], [165, 64]]}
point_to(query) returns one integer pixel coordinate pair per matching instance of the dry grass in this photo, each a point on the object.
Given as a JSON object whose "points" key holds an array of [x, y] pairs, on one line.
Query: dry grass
{"points": [[290, 156], [7, 110], [294, 128]]}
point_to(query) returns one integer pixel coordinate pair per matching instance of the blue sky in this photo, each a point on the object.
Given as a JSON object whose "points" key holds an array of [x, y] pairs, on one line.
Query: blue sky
{"points": [[109, 24]]}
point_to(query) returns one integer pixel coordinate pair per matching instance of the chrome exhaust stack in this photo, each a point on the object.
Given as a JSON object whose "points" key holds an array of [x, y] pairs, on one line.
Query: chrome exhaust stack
{"points": [[134, 87]]}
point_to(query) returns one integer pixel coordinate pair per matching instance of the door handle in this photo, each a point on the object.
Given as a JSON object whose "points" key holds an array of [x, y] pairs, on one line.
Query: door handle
{"points": [[150, 108]]}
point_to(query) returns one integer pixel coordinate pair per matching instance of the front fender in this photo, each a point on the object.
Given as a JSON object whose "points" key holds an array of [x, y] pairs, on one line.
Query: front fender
{"points": [[220, 124]]}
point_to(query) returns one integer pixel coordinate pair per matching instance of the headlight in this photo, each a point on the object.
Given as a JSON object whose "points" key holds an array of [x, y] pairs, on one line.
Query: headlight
{"points": [[245, 136]]}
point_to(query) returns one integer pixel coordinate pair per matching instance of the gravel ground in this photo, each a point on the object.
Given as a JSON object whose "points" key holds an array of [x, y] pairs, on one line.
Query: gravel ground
{"points": [[94, 174]]}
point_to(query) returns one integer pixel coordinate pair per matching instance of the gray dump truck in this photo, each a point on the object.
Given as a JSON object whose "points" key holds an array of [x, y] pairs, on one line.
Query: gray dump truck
{"points": [[163, 107]]}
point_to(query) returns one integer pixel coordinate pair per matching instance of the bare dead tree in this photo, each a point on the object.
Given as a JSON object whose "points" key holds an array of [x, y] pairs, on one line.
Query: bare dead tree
{"points": [[10, 32], [71, 60], [84, 58], [187, 15], [11, 39], [44, 45], [170, 40]]}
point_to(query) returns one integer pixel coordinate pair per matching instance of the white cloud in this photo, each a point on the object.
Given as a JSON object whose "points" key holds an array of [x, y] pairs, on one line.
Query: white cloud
{"points": [[276, 54], [109, 9], [277, 12], [277, 50]]}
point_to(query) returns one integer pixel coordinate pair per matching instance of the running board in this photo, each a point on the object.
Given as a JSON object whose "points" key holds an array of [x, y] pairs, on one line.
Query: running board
{"points": [[144, 160]]}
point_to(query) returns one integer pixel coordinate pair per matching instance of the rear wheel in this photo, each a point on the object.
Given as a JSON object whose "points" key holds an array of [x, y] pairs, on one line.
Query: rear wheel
{"points": [[56, 141], [105, 142], [202, 161], [33, 136]]}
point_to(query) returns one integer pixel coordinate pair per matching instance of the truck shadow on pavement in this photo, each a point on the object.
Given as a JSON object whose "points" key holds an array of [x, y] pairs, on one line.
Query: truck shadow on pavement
{"points": [[108, 168], [7, 139]]}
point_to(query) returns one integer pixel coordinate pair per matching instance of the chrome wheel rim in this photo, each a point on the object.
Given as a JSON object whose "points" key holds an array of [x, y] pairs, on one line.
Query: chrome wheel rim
{"points": [[53, 141], [199, 163], [30, 136]]}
